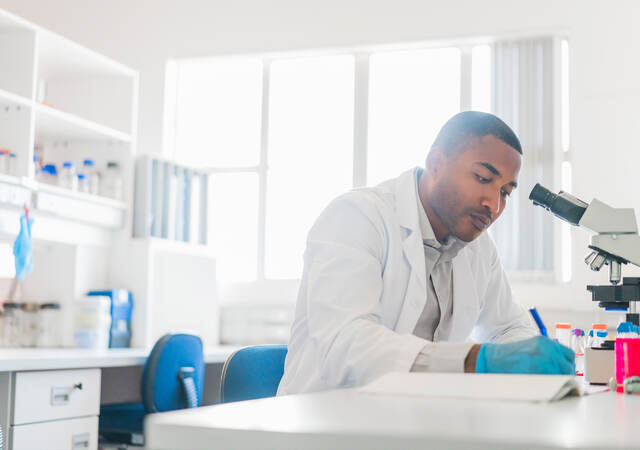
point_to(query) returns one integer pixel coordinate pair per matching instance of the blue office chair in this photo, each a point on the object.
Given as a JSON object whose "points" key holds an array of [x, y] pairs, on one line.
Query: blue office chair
{"points": [[172, 379], [252, 372]]}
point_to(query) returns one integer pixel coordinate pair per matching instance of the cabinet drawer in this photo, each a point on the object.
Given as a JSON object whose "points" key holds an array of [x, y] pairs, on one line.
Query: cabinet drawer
{"points": [[71, 434], [56, 394]]}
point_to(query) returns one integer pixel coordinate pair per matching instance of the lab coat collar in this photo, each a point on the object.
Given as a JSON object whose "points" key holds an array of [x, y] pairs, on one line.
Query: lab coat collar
{"points": [[406, 196], [465, 299], [407, 215]]}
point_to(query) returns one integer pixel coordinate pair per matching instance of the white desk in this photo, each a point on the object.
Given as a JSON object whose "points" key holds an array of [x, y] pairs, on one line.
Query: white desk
{"points": [[351, 420], [20, 359], [50, 398]]}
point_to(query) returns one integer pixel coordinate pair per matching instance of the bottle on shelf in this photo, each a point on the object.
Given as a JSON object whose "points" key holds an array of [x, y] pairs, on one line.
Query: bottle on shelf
{"points": [[48, 174], [68, 178], [13, 164], [4, 161], [93, 176], [83, 183], [112, 181], [37, 166]]}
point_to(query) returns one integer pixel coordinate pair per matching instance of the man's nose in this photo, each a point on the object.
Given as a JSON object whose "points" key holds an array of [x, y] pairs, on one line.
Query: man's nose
{"points": [[492, 202]]}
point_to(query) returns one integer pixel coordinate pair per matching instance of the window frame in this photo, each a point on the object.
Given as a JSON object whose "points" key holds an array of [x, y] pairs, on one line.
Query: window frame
{"points": [[360, 123]]}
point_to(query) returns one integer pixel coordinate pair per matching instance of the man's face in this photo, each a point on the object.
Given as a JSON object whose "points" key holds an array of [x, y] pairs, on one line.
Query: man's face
{"points": [[470, 189]]}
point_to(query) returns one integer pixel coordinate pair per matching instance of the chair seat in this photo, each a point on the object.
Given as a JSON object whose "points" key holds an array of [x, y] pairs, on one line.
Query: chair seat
{"points": [[122, 417]]}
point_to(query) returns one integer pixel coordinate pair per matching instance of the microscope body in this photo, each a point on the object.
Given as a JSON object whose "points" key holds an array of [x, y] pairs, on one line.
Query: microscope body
{"points": [[615, 242]]}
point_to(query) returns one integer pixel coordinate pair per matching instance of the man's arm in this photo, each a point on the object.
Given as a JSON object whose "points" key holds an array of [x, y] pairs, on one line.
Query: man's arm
{"points": [[341, 290], [470, 360]]}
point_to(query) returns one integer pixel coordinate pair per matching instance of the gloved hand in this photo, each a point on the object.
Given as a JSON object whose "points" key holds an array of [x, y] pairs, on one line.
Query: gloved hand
{"points": [[537, 355]]}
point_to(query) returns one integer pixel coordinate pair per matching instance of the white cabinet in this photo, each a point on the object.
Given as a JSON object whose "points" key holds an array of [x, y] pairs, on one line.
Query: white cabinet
{"points": [[52, 395], [72, 434], [50, 409]]}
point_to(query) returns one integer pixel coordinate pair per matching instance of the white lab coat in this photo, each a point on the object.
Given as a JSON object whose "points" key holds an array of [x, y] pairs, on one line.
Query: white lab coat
{"points": [[364, 288]]}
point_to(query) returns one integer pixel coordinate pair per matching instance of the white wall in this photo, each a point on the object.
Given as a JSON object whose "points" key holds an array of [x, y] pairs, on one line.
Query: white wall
{"points": [[605, 67]]}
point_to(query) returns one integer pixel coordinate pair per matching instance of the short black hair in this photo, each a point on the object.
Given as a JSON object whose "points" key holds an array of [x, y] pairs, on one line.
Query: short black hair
{"points": [[457, 131]]}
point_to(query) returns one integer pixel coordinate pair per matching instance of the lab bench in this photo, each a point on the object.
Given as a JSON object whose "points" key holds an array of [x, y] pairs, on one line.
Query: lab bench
{"points": [[50, 398], [350, 419]]}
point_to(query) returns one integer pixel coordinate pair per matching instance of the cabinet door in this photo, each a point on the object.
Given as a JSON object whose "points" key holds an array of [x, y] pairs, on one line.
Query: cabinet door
{"points": [[56, 394], [72, 434]]}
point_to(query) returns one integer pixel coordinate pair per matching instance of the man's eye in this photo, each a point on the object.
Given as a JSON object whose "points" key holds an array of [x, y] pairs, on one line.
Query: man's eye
{"points": [[482, 179]]}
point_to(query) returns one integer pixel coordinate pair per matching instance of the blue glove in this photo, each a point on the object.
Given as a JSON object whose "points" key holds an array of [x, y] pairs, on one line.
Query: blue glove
{"points": [[538, 355], [22, 249]]}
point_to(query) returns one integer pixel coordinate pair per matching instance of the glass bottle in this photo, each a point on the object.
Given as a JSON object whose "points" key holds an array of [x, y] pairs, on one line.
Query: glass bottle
{"points": [[12, 322], [93, 176], [67, 178], [48, 174], [83, 183], [112, 181], [50, 331], [30, 325]]}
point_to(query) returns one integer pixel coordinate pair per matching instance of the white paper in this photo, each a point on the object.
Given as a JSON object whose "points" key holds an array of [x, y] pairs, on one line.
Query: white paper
{"points": [[530, 388]]}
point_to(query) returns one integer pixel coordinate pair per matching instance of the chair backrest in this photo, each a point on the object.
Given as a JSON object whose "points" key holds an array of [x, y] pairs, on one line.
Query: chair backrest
{"points": [[252, 372], [173, 374]]}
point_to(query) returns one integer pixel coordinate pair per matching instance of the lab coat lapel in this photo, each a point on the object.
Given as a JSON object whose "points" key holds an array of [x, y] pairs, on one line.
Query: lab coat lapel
{"points": [[466, 307], [406, 211]]}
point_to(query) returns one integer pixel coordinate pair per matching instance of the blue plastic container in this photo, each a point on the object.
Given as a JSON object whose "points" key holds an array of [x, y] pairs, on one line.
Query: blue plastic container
{"points": [[121, 309]]}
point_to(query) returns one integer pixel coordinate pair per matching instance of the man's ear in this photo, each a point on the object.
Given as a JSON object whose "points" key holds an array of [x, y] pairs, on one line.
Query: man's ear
{"points": [[435, 159]]}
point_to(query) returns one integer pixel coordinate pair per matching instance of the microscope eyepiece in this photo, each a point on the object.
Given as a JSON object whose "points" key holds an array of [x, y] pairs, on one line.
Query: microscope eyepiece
{"points": [[541, 196], [562, 204]]}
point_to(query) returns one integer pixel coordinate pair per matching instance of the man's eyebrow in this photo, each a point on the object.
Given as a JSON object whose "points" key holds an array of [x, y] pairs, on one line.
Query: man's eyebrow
{"points": [[495, 171], [492, 169]]}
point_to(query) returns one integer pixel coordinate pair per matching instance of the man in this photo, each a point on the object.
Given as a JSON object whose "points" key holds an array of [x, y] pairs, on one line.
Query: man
{"points": [[401, 276]]}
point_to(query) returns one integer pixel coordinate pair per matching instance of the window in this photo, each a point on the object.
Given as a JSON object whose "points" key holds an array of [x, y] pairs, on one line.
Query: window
{"points": [[218, 113], [310, 152], [411, 94], [281, 136]]}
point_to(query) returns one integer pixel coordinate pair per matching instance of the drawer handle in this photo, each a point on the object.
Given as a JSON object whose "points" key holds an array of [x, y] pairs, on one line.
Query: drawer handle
{"points": [[61, 395], [80, 441]]}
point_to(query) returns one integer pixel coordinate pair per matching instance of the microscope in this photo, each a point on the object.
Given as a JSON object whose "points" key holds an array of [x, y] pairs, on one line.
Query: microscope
{"points": [[615, 242]]}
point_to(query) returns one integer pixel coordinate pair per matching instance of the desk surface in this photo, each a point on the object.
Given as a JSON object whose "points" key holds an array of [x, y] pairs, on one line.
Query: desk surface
{"points": [[351, 420], [15, 359]]}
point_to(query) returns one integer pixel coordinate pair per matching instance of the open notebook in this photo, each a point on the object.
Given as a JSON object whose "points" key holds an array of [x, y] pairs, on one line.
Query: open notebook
{"points": [[530, 388]]}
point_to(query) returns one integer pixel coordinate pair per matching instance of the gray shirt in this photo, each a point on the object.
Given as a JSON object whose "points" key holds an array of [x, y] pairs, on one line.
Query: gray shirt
{"points": [[435, 321]]}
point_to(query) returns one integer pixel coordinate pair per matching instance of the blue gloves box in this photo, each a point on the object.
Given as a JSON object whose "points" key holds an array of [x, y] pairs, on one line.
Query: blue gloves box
{"points": [[121, 308]]}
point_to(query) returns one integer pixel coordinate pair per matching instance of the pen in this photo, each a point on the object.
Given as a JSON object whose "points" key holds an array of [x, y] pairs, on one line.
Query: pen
{"points": [[538, 321]]}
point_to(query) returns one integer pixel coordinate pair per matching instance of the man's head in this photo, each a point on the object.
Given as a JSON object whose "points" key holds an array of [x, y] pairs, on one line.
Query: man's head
{"points": [[471, 169]]}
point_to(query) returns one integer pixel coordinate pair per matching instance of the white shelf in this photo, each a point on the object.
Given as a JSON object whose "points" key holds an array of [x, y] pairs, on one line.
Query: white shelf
{"points": [[12, 22], [61, 58], [9, 99], [62, 215], [81, 196], [58, 125]]}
